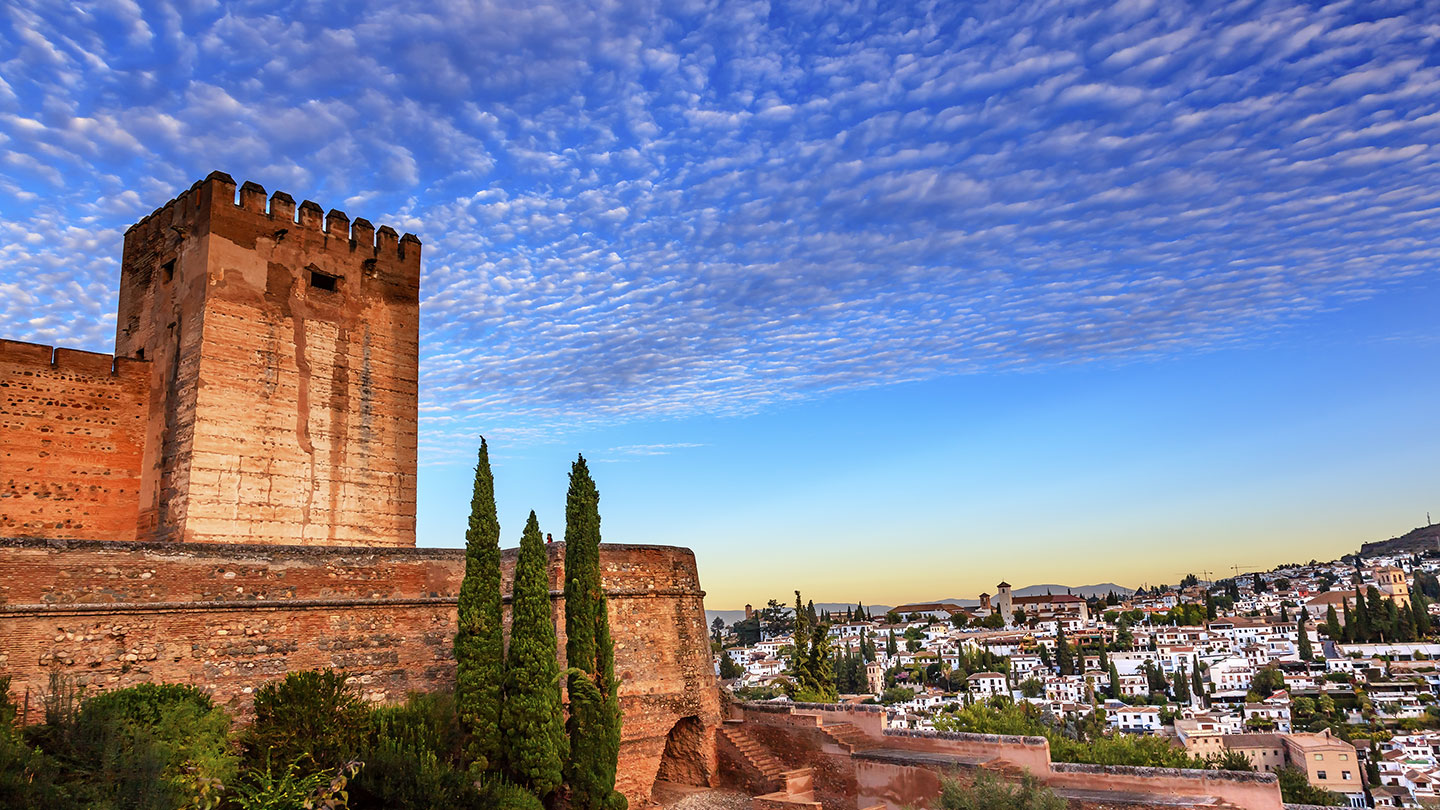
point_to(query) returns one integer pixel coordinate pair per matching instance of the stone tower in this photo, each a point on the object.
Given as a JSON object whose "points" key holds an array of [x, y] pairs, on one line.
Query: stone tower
{"points": [[284, 365], [1005, 603]]}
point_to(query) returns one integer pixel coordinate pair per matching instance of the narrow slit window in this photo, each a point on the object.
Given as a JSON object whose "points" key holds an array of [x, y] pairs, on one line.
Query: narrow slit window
{"points": [[324, 281]]}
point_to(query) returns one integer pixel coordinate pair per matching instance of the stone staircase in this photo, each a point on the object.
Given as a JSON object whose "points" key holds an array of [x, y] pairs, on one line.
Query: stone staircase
{"points": [[849, 736], [796, 793], [755, 755]]}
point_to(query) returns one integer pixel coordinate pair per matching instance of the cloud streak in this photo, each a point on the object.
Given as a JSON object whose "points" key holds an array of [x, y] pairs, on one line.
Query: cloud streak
{"points": [[662, 209]]}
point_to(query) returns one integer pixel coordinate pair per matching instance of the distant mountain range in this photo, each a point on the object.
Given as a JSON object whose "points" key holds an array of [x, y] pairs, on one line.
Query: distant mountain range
{"points": [[732, 616]]}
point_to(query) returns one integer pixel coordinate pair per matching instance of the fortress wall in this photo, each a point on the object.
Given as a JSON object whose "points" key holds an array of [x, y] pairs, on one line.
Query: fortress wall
{"points": [[903, 768], [288, 345], [228, 618], [74, 434]]}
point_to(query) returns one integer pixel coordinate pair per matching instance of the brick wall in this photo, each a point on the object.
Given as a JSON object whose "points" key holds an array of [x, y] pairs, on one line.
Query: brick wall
{"points": [[898, 768], [73, 427], [286, 346], [229, 617]]}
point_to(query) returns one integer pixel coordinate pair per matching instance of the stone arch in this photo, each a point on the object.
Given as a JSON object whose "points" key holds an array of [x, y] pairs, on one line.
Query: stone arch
{"points": [[685, 761]]}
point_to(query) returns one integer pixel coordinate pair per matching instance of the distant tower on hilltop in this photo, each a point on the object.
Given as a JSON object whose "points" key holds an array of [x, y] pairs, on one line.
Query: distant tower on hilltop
{"points": [[1006, 604], [284, 367]]}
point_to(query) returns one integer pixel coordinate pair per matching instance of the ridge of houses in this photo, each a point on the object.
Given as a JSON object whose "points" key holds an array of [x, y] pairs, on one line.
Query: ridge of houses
{"points": [[1249, 689]]}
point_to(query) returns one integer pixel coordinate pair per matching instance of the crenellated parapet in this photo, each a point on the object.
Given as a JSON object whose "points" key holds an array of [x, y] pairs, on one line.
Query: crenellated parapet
{"points": [[17, 354], [285, 347], [215, 204]]}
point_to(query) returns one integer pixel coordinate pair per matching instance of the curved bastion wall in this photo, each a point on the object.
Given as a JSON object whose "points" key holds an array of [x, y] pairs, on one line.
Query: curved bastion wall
{"points": [[228, 618]]}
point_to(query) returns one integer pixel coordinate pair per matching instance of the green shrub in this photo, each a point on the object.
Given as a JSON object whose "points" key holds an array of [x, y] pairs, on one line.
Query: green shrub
{"points": [[412, 758], [501, 795], [146, 746], [988, 792], [28, 776], [312, 719], [297, 788]]}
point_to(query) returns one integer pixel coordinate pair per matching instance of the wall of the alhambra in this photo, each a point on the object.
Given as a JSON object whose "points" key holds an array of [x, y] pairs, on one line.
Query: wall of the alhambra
{"points": [[117, 614], [160, 319], [73, 426], [292, 409]]}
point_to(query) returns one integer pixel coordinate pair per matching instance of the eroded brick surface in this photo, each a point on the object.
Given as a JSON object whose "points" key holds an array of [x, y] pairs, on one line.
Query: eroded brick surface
{"points": [[72, 434], [284, 355], [228, 618]]}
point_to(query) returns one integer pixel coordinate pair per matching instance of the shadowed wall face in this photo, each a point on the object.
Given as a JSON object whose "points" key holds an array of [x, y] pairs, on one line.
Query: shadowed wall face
{"points": [[285, 351]]}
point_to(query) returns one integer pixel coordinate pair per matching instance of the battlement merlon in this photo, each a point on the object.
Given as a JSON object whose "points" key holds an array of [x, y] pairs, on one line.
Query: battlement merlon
{"points": [[213, 203], [92, 364]]}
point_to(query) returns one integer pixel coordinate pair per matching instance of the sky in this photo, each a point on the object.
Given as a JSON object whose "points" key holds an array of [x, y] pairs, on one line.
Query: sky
{"points": [[881, 301]]}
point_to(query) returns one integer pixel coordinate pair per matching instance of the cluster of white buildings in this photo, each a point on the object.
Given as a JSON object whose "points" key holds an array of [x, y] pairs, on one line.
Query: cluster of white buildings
{"points": [[1340, 684]]}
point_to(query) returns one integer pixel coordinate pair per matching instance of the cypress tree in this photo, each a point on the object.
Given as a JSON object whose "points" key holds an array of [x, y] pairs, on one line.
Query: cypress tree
{"points": [[821, 668], [1114, 690], [1062, 651], [590, 716], [594, 729], [1181, 686], [1332, 623], [1305, 650], [1348, 632], [1420, 612], [1197, 683], [532, 724], [479, 642], [891, 649]]}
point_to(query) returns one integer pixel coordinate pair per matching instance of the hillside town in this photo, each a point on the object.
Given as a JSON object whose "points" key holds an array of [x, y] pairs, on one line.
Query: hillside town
{"points": [[1323, 673]]}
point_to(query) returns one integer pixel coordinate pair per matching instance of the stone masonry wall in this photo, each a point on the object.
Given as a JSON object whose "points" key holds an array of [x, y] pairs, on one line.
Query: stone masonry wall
{"points": [[73, 427], [229, 617], [899, 768], [286, 346]]}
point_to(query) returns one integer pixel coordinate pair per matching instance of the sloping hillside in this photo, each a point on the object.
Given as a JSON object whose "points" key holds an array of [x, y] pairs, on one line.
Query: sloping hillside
{"points": [[1424, 538]]}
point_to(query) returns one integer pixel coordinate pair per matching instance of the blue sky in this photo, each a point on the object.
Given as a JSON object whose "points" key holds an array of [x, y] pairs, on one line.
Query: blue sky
{"points": [[882, 301]]}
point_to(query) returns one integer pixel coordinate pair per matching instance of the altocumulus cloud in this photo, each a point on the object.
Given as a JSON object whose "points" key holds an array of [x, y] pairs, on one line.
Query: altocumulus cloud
{"points": [[643, 209]]}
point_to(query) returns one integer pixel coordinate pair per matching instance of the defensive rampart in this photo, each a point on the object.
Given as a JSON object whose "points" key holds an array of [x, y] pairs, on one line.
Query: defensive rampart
{"points": [[74, 435], [857, 762], [229, 617]]}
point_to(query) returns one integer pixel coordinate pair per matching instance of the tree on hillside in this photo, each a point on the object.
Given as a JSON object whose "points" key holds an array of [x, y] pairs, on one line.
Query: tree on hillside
{"points": [[728, 668], [1420, 612], [1332, 623], [1295, 788], [891, 649], [594, 739], [479, 643], [1303, 628], [717, 630], [1064, 658], [1197, 681], [531, 721]]}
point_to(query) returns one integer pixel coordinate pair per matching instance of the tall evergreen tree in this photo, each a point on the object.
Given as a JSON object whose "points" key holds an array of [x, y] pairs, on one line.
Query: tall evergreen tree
{"points": [[1181, 686], [1114, 690], [1348, 631], [532, 723], [1064, 658], [479, 641], [821, 669], [891, 648], [1197, 682], [1303, 645], [1332, 623], [589, 649], [1420, 612]]}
